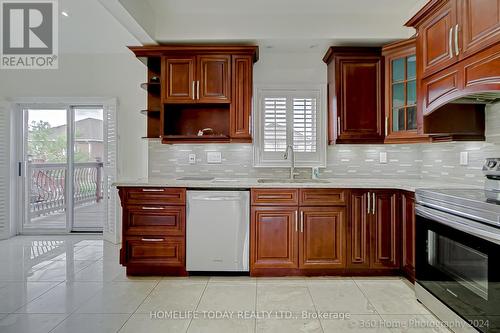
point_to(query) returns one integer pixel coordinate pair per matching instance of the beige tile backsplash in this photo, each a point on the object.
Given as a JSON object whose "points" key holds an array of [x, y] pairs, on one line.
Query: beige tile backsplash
{"points": [[427, 161]]}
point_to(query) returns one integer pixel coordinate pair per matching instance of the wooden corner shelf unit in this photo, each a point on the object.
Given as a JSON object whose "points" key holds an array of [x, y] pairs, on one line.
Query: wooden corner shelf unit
{"points": [[193, 88]]}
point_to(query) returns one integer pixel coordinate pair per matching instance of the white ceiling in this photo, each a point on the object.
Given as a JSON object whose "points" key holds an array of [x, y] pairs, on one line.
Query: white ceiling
{"points": [[276, 25], [90, 28], [283, 24]]}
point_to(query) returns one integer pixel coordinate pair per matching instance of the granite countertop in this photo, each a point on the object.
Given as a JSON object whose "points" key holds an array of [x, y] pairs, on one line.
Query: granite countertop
{"points": [[400, 184]]}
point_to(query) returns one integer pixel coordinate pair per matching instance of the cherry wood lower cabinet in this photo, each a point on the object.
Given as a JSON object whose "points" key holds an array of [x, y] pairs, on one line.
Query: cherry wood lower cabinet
{"points": [[408, 226], [154, 230], [322, 243], [297, 237], [373, 231], [274, 237]]}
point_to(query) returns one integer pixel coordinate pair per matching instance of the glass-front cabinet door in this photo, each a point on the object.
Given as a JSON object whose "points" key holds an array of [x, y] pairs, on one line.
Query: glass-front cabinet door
{"points": [[401, 93], [404, 94]]}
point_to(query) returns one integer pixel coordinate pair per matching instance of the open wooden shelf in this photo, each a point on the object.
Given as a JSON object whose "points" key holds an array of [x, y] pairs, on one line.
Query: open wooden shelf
{"points": [[194, 138], [152, 87], [153, 112]]}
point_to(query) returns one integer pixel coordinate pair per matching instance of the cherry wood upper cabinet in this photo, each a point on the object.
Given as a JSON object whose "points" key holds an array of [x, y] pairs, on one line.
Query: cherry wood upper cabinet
{"points": [[436, 38], [241, 106], [180, 79], [198, 79], [385, 236], [274, 237], [214, 80], [452, 30], [403, 122], [322, 242], [480, 25], [199, 93], [355, 90]]}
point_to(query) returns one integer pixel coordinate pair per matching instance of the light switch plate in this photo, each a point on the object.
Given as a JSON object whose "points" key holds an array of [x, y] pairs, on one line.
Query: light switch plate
{"points": [[464, 158], [214, 157], [192, 158], [383, 157]]}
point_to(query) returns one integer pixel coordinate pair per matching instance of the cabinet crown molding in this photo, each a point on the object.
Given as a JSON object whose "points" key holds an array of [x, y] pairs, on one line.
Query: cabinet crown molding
{"points": [[424, 12], [173, 49]]}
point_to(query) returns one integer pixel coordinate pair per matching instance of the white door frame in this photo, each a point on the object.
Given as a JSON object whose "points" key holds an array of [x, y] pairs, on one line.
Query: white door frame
{"points": [[68, 103]]}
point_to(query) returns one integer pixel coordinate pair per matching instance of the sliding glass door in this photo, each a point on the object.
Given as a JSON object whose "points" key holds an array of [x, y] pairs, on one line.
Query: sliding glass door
{"points": [[88, 157], [63, 168], [46, 168]]}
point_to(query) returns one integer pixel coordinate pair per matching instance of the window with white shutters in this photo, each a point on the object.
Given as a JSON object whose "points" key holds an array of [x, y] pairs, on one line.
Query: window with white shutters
{"points": [[275, 124], [289, 117]]}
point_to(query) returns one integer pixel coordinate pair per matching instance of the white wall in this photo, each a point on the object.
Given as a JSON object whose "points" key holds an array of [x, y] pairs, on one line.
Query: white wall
{"points": [[292, 67], [94, 75]]}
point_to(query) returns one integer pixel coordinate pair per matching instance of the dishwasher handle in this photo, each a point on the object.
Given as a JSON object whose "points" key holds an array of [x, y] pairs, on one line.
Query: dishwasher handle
{"points": [[216, 198]]}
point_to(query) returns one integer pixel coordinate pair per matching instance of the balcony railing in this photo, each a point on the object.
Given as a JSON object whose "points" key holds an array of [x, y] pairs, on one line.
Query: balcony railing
{"points": [[48, 182]]}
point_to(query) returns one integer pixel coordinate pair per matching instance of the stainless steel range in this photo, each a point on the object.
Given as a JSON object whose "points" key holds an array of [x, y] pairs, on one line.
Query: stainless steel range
{"points": [[458, 253]]}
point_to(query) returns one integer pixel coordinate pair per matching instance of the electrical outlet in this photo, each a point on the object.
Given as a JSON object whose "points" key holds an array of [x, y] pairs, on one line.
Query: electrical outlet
{"points": [[214, 157], [192, 158], [383, 157], [464, 158]]}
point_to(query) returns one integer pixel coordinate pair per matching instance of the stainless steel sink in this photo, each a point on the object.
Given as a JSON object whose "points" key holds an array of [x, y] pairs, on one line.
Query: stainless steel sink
{"points": [[196, 178], [292, 181]]}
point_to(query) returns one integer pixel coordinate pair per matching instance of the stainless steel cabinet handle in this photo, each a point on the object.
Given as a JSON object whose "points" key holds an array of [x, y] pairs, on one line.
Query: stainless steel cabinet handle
{"points": [[296, 221], [374, 205], [386, 126], [369, 201], [152, 190], [301, 221], [153, 208], [152, 240], [194, 96], [338, 127], [450, 42], [457, 50], [198, 89]]}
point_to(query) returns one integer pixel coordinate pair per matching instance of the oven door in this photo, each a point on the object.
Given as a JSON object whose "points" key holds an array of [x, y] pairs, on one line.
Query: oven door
{"points": [[458, 261]]}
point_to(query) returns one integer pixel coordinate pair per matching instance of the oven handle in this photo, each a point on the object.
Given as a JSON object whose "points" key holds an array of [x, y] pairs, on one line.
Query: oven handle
{"points": [[480, 230]]}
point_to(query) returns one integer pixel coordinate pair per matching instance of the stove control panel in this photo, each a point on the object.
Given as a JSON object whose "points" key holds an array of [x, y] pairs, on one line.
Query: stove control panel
{"points": [[492, 167]]}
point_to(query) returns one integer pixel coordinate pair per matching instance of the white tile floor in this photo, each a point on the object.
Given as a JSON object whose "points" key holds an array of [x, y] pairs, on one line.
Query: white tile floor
{"points": [[75, 284]]}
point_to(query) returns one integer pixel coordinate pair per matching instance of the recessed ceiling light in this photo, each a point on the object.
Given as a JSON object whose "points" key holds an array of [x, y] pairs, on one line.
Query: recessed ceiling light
{"points": [[63, 13]]}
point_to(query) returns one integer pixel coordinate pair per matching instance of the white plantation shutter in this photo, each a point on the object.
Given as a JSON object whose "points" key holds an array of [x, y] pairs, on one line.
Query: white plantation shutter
{"points": [[290, 117], [110, 227], [275, 124], [304, 125], [4, 169]]}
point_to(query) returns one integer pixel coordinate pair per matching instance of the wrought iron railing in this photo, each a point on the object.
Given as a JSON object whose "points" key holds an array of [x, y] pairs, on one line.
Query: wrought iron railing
{"points": [[48, 182]]}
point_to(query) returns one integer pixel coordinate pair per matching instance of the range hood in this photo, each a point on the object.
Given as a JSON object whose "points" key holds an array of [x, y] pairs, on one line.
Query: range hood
{"points": [[479, 98]]}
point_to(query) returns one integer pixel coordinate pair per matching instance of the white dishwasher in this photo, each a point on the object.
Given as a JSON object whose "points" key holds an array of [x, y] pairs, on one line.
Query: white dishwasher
{"points": [[217, 231]]}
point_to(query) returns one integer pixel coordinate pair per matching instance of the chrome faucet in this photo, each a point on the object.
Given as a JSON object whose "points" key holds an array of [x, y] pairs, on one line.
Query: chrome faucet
{"points": [[289, 148]]}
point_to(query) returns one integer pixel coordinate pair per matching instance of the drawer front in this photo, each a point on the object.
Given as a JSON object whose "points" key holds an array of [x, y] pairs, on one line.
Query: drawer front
{"points": [[322, 197], [153, 195], [275, 197], [151, 220], [169, 251]]}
